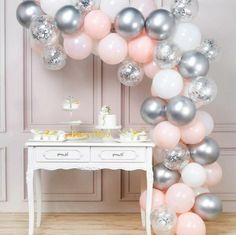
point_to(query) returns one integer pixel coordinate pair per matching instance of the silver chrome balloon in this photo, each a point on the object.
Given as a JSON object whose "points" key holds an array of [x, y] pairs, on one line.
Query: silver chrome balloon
{"points": [[210, 49], [160, 24], [44, 30], [177, 158], [208, 206], [54, 57], [180, 110], [26, 11], [153, 110], [202, 91], [164, 177], [129, 22], [163, 220], [68, 19], [85, 6], [185, 10], [130, 73], [193, 64], [206, 152], [167, 55]]}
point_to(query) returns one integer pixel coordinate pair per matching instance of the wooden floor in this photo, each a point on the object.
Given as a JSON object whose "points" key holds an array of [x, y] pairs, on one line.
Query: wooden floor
{"points": [[99, 224]]}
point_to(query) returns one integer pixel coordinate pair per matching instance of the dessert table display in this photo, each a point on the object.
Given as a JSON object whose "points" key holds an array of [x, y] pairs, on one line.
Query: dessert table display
{"points": [[164, 45]]}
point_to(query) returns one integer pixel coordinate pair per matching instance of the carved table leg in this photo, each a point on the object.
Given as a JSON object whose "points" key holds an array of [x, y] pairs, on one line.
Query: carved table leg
{"points": [[30, 187], [38, 196], [149, 193]]}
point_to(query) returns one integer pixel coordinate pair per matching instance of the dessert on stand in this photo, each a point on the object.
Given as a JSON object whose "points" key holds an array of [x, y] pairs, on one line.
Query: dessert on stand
{"points": [[107, 122]]}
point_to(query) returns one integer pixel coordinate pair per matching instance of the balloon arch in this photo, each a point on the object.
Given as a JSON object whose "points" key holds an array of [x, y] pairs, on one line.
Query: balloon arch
{"points": [[165, 46]]}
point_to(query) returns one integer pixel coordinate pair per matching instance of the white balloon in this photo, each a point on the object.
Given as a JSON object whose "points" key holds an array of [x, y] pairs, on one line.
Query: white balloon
{"points": [[146, 7], [52, 6], [200, 190], [167, 84], [187, 36], [207, 121], [194, 175], [113, 7]]}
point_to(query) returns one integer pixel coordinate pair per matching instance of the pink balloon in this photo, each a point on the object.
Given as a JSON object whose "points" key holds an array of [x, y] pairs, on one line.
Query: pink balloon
{"points": [[214, 174], [141, 49], [193, 134], [166, 135], [151, 69], [158, 199], [146, 7], [190, 224], [112, 49], [78, 46], [180, 197], [187, 83], [97, 24]]}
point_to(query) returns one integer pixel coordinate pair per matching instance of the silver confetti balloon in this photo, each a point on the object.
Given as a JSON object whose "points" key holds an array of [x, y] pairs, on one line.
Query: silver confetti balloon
{"points": [[153, 110], [202, 91], [130, 73], [177, 158], [193, 64], [44, 30], [164, 177], [26, 11], [164, 221], [160, 24], [185, 10], [206, 152], [208, 206], [167, 55], [210, 49], [54, 57], [68, 19], [129, 22], [180, 111], [85, 6]]}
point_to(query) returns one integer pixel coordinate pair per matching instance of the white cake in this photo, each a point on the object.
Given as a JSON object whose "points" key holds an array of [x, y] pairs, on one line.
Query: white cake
{"points": [[106, 119]]}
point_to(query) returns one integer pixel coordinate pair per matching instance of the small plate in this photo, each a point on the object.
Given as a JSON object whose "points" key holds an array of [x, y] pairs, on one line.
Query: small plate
{"points": [[132, 141]]}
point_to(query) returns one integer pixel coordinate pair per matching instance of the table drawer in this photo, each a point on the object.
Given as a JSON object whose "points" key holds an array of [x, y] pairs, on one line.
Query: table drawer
{"points": [[128, 154], [60, 154]]}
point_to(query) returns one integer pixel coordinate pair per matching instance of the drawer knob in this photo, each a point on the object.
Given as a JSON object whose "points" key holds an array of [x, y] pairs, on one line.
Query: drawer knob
{"points": [[63, 154], [118, 155]]}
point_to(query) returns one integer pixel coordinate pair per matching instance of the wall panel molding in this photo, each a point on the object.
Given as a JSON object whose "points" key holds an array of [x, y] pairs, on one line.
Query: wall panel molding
{"points": [[3, 180], [2, 67], [29, 123]]}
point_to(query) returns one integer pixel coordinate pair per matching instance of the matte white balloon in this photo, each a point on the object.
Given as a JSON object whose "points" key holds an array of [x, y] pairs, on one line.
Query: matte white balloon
{"points": [[113, 7], [194, 175], [167, 84], [51, 6], [187, 36], [207, 120]]}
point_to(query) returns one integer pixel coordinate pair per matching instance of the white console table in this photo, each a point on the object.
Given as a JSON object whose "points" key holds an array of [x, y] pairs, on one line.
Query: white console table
{"points": [[86, 156]]}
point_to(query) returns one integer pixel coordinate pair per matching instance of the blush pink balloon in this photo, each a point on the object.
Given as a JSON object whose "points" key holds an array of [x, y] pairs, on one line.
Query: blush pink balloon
{"points": [[166, 135], [112, 49], [78, 46], [158, 199], [146, 7], [141, 49], [187, 83], [180, 197], [193, 134], [36, 47], [97, 24], [151, 69], [190, 224], [214, 174]]}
